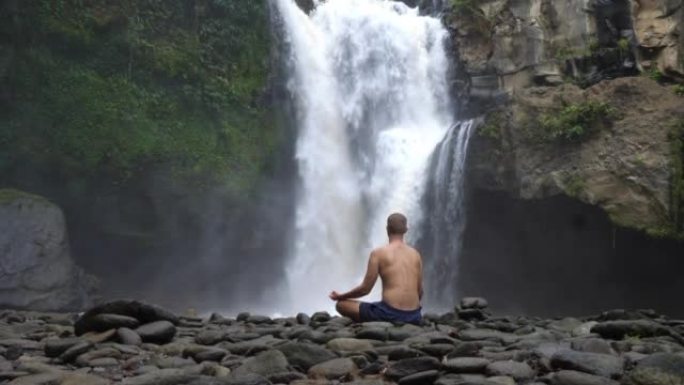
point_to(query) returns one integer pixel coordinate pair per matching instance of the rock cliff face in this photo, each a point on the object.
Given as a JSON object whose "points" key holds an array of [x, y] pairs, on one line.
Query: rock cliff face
{"points": [[522, 59], [506, 45], [36, 269]]}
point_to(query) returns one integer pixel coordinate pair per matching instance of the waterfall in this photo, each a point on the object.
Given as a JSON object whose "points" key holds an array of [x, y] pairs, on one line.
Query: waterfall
{"points": [[445, 206], [368, 78]]}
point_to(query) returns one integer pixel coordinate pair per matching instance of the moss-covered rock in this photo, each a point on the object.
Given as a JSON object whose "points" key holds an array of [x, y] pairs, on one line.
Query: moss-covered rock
{"points": [[630, 164]]}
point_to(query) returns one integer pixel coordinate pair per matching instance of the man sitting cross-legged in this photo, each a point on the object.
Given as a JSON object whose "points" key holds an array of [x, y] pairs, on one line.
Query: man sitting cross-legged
{"points": [[401, 271]]}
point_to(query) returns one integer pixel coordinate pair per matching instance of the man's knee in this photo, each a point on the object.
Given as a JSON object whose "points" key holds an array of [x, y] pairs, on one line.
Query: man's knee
{"points": [[339, 307]]}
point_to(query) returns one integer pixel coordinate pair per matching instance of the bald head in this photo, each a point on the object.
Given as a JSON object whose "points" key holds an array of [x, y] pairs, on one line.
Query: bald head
{"points": [[396, 224]]}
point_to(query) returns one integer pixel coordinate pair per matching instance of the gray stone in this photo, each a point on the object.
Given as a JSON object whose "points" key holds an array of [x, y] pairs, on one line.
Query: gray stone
{"points": [[158, 332], [36, 267], [333, 369], [474, 303], [305, 355], [518, 370], [592, 345], [487, 334], [210, 354], [128, 337], [373, 333], [584, 329], [247, 379], [321, 316], [408, 366], [285, 377], [75, 351], [56, 346], [571, 377], [210, 337], [636, 328], [421, 378], [399, 352], [658, 369], [265, 364], [502, 380], [105, 321], [303, 319], [145, 313], [466, 365], [85, 358], [599, 364], [349, 345]]}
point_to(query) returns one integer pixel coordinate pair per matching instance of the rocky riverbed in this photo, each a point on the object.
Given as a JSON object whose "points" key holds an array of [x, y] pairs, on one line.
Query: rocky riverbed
{"points": [[129, 342]]}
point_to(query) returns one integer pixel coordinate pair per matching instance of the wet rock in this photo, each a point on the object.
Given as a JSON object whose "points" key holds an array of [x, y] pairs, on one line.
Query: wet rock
{"points": [[285, 377], [303, 319], [258, 319], [210, 354], [159, 332], [333, 369], [75, 351], [86, 358], [105, 321], [592, 345], [420, 378], [56, 346], [128, 337], [399, 352], [502, 380], [349, 345], [471, 314], [144, 313], [320, 317], [305, 355], [474, 303], [97, 338], [658, 369], [584, 329], [599, 364], [210, 337], [408, 366], [435, 350], [466, 365], [487, 334], [571, 377], [518, 370], [265, 364], [636, 328], [373, 333]]}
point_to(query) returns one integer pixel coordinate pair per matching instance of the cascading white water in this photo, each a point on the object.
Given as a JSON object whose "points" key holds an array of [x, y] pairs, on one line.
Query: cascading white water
{"points": [[446, 214], [369, 81]]}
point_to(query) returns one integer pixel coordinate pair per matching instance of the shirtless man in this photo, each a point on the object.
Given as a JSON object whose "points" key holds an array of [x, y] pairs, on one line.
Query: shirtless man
{"points": [[401, 271]]}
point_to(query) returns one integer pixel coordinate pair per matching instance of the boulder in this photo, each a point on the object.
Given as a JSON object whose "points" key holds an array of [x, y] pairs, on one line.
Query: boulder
{"points": [[333, 369], [265, 364], [408, 366], [143, 312], [658, 369], [159, 332], [571, 377], [305, 355], [593, 363], [37, 270], [637, 328]]}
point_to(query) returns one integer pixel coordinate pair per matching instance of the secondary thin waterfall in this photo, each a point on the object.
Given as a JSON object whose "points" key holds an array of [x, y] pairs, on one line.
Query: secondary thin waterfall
{"points": [[441, 243], [369, 82]]}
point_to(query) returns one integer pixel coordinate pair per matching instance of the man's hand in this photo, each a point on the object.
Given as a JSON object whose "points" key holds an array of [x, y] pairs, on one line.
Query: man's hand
{"points": [[335, 296]]}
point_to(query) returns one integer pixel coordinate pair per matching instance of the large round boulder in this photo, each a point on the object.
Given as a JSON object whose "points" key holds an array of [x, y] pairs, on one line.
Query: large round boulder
{"points": [[37, 270]]}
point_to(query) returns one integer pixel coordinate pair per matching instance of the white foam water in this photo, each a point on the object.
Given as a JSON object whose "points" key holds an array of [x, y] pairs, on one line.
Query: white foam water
{"points": [[369, 81]]}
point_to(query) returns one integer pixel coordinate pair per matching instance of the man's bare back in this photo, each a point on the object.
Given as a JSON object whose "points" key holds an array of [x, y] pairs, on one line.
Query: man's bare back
{"points": [[401, 271], [400, 268]]}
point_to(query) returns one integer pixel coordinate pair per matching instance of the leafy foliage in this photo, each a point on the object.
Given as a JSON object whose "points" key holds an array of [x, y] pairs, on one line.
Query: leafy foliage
{"points": [[110, 89], [576, 121], [678, 89]]}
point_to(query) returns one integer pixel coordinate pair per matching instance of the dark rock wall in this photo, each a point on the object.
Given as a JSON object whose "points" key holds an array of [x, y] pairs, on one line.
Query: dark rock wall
{"points": [[557, 256]]}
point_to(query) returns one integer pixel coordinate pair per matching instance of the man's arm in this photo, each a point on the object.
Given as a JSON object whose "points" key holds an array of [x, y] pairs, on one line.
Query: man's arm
{"points": [[368, 281]]}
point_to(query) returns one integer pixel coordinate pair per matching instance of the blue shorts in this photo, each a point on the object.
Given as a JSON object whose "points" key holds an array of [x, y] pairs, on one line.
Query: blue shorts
{"points": [[380, 311]]}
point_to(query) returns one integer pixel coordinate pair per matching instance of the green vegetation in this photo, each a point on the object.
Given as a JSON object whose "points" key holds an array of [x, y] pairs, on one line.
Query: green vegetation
{"points": [[104, 90], [491, 128], [575, 122], [9, 195], [654, 74], [574, 185], [678, 89]]}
